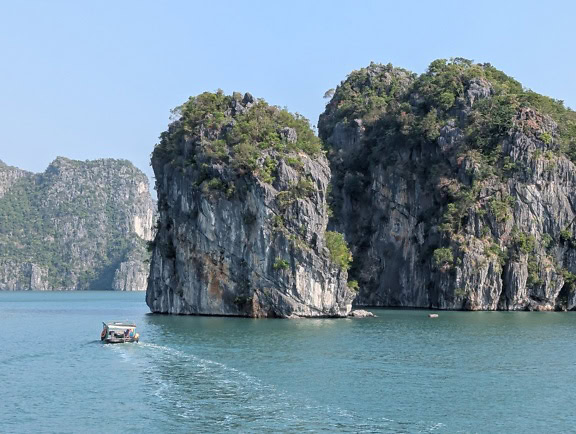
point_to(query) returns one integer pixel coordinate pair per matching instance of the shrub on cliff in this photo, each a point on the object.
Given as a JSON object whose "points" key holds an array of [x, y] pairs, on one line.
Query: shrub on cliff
{"points": [[501, 209], [281, 264], [442, 258], [339, 251]]}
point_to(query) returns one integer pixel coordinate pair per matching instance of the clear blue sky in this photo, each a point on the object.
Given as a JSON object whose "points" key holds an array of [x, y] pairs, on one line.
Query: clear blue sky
{"points": [[91, 79]]}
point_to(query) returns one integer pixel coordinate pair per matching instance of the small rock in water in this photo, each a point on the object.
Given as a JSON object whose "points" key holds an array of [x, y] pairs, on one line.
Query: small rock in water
{"points": [[361, 314]]}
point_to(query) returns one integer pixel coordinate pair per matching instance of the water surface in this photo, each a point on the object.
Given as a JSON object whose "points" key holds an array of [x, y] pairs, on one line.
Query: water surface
{"points": [[399, 372]]}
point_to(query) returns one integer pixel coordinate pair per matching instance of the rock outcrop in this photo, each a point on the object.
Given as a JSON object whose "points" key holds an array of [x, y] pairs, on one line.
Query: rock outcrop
{"points": [[132, 273], [360, 313], [8, 176], [79, 225], [456, 189], [242, 215]]}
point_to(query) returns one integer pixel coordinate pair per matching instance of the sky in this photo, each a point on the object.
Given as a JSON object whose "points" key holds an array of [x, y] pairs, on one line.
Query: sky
{"points": [[97, 79]]}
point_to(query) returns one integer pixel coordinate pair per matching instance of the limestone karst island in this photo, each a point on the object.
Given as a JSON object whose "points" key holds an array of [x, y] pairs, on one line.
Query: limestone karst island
{"points": [[287, 217], [77, 226], [453, 189]]}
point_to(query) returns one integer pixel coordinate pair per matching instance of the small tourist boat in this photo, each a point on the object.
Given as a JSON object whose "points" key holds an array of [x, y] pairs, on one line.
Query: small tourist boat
{"points": [[118, 332], [433, 315]]}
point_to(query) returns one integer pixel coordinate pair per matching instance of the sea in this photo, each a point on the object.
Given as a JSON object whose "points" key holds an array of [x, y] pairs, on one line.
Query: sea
{"points": [[401, 372]]}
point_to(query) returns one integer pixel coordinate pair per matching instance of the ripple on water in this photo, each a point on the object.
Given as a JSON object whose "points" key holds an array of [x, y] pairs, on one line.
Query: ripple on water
{"points": [[209, 395]]}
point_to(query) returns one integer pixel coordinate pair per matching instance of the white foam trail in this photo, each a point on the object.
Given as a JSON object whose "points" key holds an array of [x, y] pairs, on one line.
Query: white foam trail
{"points": [[227, 396]]}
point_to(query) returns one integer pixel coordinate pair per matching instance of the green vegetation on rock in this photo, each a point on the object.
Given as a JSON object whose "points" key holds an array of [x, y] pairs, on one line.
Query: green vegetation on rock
{"points": [[412, 108], [495, 250], [237, 130], [442, 257], [338, 248], [353, 285], [523, 242], [501, 208], [281, 264]]}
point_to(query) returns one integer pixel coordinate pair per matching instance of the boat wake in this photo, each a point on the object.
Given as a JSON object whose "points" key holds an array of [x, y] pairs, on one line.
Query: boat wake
{"points": [[198, 394]]}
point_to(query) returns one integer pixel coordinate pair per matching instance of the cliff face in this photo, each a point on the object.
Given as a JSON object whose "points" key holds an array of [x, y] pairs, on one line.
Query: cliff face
{"points": [[8, 176], [78, 225], [455, 189], [242, 215]]}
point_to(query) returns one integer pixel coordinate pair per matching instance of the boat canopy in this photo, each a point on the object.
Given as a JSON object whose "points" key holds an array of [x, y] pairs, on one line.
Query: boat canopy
{"points": [[119, 325]]}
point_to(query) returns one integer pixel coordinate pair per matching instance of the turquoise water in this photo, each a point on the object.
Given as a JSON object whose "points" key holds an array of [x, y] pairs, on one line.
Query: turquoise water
{"points": [[400, 372]]}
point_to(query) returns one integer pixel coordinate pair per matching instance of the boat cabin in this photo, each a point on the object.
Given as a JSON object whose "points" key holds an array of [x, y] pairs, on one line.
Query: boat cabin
{"points": [[118, 332]]}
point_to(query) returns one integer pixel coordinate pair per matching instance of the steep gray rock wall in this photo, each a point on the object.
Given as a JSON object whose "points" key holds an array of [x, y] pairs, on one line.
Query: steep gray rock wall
{"points": [[131, 275], [8, 176], [22, 276], [78, 225], [242, 242], [437, 224]]}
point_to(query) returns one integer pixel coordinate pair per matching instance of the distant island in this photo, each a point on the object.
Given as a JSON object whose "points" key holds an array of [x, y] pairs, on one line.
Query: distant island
{"points": [[453, 189], [80, 225]]}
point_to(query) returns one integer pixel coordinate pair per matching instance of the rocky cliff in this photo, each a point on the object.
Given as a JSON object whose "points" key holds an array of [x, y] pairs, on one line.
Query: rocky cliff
{"points": [[456, 189], [79, 225], [242, 215], [8, 176]]}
